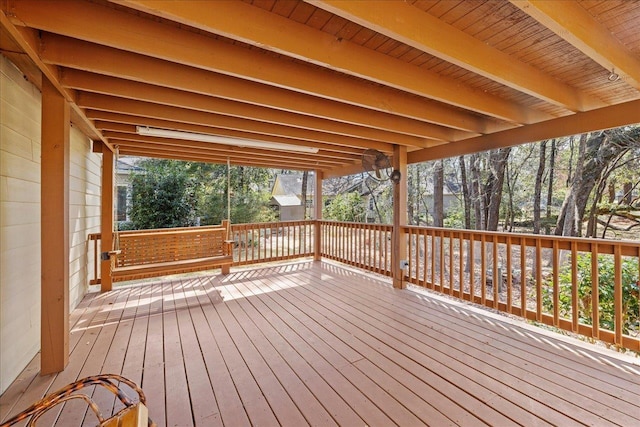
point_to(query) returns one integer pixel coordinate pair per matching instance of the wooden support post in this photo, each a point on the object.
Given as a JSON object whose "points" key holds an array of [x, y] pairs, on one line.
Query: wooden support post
{"points": [[54, 198], [399, 252], [106, 219], [317, 206]]}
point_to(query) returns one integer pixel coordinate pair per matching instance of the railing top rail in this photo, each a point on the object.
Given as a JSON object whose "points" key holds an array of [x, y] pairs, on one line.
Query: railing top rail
{"points": [[542, 237], [273, 223], [356, 224]]}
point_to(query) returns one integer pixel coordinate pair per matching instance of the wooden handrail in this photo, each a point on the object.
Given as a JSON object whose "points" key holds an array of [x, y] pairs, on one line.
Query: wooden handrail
{"points": [[520, 274], [460, 263]]}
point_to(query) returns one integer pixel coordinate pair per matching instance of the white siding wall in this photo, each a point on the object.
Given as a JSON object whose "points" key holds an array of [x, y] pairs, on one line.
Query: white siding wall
{"points": [[20, 219]]}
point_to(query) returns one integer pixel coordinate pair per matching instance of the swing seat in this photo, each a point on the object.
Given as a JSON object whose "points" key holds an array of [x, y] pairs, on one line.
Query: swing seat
{"points": [[159, 252]]}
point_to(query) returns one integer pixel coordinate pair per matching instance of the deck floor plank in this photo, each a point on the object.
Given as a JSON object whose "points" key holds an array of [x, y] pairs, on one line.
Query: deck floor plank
{"points": [[442, 393], [366, 409], [30, 386], [321, 344], [229, 403], [201, 395], [114, 359], [450, 364], [288, 342], [539, 375], [153, 366], [253, 400]]}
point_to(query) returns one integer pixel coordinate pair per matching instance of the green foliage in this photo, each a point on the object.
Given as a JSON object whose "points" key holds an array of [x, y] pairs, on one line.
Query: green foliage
{"points": [[630, 294], [162, 196], [171, 193], [345, 207]]}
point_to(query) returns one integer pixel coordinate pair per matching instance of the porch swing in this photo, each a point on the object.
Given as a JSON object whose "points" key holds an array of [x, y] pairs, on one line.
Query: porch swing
{"points": [[141, 254]]}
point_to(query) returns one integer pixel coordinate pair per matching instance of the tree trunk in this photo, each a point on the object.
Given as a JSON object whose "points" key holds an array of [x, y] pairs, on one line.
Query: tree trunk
{"points": [[476, 197], [411, 196], [611, 188], [596, 151], [537, 191], [626, 190], [497, 163], [438, 194], [466, 193], [303, 192]]}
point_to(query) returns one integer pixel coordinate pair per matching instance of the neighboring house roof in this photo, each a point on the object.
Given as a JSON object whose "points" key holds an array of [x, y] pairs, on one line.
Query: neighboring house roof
{"points": [[287, 200], [128, 164], [292, 184]]}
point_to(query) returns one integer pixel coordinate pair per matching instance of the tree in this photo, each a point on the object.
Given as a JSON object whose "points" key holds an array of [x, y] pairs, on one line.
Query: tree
{"points": [[537, 193], [162, 196], [493, 186], [596, 151], [345, 207], [303, 192], [466, 192], [438, 194]]}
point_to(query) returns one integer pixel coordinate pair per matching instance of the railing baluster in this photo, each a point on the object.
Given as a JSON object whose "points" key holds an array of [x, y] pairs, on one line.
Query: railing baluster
{"points": [[472, 267], [538, 280], [523, 277], [496, 272], [451, 250], [575, 314], [595, 291], [483, 272], [617, 294], [556, 285], [461, 264], [509, 276]]}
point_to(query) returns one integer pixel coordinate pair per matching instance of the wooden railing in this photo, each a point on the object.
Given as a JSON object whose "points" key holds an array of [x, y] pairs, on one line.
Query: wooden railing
{"points": [[367, 246], [271, 241], [584, 286], [94, 246], [579, 285]]}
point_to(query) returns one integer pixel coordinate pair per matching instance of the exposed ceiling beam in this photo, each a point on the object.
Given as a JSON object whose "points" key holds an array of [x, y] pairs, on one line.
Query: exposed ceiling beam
{"points": [[164, 112], [125, 131], [569, 20], [133, 149], [588, 121], [105, 120], [29, 42], [84, 81], [76, 54], [270, 31], [403, 22], [218, 149]]}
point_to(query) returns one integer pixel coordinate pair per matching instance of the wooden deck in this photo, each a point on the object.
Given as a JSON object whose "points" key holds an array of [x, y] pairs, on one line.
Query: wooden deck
{"points": [[320, 344]]}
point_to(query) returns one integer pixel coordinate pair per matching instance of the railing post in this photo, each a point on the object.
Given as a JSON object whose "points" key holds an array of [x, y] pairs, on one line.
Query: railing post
{"points": [[399, 239], [54, 307], [317, 229], [106, 219]]}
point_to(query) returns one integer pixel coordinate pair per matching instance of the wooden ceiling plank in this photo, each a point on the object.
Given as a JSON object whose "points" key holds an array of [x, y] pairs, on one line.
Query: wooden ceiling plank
{"points": [[573, 23], [165, 112], [121, 30], [72, 53], [290, 38], [623, 114], [403, 22], [287, 123]]}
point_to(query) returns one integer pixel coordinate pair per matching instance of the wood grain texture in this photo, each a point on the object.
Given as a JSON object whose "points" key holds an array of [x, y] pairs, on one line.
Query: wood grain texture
{"points": [[321, 344]]}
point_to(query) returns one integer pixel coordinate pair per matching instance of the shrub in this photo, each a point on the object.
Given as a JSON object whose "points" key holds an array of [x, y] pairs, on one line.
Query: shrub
{"points": [[630, 292]]}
